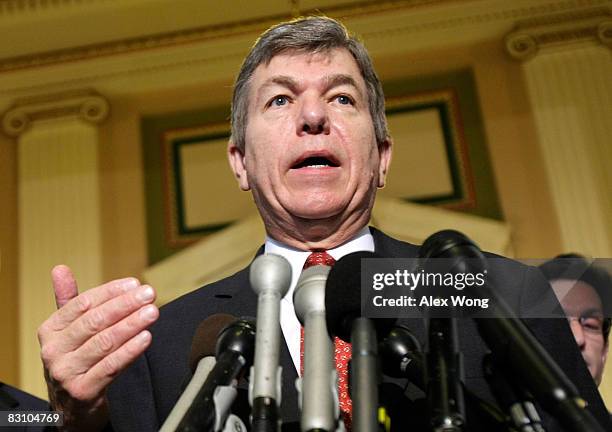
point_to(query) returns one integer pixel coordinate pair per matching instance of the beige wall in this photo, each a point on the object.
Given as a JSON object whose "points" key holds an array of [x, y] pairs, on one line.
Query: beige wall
{"points": [[510, 135], [123, 200], [8, 261], [515, 155]]}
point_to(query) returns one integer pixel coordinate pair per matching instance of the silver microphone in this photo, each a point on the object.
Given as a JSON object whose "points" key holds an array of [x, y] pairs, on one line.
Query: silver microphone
{"points": [[270, 278], [318, 386]]}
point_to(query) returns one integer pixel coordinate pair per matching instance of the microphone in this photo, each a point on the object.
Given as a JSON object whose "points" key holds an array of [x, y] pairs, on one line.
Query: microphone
{"points": [[203, 406], [201, 362], [270, 277], [318, 386], [343, 314], [519, 406], [514, 347], [401, 357]]}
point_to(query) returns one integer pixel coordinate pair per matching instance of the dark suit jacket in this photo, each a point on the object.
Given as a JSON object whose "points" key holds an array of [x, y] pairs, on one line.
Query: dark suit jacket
{"points": [[143, 396], [13, 399]]}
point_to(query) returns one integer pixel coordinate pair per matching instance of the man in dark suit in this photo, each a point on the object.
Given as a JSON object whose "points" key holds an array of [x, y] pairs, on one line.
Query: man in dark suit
{"points": [[310, 141], [155, 380]]}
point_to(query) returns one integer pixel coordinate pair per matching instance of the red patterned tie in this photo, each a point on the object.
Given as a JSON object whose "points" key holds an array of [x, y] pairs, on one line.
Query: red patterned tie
{"points": [[342, 349]]}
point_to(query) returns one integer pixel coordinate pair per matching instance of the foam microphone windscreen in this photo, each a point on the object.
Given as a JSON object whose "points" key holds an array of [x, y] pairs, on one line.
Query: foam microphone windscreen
{"points": [[205, 337], [343, 296], [447, 244]]}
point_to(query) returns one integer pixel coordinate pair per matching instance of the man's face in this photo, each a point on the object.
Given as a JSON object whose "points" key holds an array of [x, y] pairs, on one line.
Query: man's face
{"points": [[583, 307], [311, 151]]}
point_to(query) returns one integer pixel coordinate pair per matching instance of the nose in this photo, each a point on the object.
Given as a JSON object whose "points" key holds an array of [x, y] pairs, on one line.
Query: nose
{"points": [[314, 117], [578, 331]]}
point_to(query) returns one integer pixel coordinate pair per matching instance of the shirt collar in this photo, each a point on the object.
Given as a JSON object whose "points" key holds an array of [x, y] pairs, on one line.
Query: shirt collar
{"points": [[362, 241]]}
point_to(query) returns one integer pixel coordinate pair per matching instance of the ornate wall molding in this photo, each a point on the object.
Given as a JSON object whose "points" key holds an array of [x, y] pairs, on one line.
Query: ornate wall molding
{"points": [[192, 56], [11, 8], [402, 10], [84, 104], [529, 36], [208, 33]]}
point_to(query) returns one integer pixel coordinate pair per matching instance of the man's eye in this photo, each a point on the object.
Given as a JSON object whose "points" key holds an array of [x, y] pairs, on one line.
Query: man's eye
{"points": [[591, 323], [344, 100], [279, 101]]}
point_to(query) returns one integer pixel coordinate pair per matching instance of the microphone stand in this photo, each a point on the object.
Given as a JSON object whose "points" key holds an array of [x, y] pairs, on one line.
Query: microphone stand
{"points": [[515, 347], [508, 337], [364, 376], [443, 371], [401, 357], [521, 411]]}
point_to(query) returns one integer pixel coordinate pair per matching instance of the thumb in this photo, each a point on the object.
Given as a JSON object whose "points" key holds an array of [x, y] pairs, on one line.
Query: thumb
{"points": [[64, 285]]}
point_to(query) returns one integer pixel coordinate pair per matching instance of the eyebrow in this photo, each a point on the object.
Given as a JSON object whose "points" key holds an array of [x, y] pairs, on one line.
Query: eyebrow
{"points": [[594, 312], [337, 80], [330, 82], [281, 80]]}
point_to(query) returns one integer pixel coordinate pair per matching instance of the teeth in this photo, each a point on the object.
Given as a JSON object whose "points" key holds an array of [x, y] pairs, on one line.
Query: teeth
{"points": [[314, 162]]}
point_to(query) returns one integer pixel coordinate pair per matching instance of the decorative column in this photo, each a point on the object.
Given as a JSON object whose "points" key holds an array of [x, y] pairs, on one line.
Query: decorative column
{"points": [[567, 66], [59, 210]]}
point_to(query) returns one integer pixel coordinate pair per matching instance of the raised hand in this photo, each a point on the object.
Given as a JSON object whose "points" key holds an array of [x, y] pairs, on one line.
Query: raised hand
{"points": [[89, 340]]}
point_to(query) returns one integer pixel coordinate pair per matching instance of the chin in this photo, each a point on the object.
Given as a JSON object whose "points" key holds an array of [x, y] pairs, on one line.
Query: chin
{"points": [[315, 214], [316, 209]]}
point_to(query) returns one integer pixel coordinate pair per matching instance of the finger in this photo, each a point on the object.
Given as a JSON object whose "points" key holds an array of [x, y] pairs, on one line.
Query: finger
{"points": [[111, 339], [64, 285], [103, 317], [103, 373], [90, 299]]}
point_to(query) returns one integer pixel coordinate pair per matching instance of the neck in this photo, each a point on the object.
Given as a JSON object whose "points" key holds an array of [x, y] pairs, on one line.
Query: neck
{"points": [[317, 234]]}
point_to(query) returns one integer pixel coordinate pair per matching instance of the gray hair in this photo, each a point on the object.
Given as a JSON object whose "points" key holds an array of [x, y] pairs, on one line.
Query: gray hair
{"points": [[306, 35]]}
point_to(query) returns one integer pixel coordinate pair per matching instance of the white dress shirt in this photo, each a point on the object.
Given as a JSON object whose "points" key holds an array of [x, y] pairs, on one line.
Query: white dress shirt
{"points": [[290, 325]]}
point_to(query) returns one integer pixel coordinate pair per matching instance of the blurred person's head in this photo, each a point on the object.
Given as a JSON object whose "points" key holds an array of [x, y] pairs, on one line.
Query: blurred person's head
{"points": [[583, 290]]}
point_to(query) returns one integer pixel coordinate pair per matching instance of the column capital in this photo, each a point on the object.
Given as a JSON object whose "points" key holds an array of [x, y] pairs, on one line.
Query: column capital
{"points": [[87, 105], [529, 36]]}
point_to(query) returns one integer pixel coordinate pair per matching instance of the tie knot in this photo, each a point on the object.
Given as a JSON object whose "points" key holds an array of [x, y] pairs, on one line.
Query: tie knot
{"points": [[319, 258]]}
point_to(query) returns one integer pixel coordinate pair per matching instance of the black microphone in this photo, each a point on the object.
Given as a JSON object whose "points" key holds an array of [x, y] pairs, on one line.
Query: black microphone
{"points": [[514, 347], [521, 411], [343, 314], [201, 362], [401, 357], [270, 277], [318, 385], [202, 407]]}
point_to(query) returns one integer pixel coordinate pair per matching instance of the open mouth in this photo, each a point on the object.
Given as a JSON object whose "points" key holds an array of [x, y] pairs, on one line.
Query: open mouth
{"points": [[315, 162]]}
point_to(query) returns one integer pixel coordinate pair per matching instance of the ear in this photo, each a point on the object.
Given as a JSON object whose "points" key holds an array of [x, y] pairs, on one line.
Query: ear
{"points": [[384, 154], [236, 161]]}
